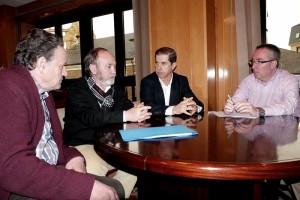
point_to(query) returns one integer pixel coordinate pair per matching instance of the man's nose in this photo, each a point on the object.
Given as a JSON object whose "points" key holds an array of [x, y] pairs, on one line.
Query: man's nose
{"points": [[113, 70], [158, 66], [254, 65]]}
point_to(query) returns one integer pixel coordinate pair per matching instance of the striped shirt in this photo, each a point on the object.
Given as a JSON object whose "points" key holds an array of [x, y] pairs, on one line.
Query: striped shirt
{"points": [[47, 149]]}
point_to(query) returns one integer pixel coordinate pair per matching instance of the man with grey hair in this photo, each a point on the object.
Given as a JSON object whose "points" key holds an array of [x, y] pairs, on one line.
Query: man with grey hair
{"points": [[93, 101], [34, 162]]}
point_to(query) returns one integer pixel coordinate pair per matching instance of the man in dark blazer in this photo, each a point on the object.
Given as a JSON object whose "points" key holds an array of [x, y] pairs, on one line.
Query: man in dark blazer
{"points": [[165, 91]]}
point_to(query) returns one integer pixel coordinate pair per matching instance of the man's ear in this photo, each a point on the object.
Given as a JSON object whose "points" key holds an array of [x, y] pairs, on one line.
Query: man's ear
{"points": [[41, 64], [174, 65], [93, 68], [274, 64]]}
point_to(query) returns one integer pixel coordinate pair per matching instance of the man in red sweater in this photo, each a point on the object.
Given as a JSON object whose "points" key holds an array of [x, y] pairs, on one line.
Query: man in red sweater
{"points": [[32, 152]]}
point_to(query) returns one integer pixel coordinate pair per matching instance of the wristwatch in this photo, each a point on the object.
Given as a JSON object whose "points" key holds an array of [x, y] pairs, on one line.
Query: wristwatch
{"points": [[261, 112]]}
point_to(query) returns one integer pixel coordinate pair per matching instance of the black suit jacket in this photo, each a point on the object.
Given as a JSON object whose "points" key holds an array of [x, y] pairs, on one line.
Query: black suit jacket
{"points": [[151, 93], [83, 115]]}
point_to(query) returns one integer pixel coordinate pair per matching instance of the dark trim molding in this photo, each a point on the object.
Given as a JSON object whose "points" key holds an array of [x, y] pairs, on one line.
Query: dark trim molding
{"points": [[263, 21]]}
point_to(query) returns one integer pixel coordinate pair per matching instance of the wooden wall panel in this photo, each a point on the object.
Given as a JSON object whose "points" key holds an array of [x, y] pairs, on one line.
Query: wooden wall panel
{"points": [[203, 34], [8, 35], [226, 60], [181, 24], [211, 55]]}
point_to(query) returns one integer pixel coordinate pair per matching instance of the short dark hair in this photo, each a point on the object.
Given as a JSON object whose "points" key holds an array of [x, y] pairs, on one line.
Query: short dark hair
{"points": [[37, 43], [167, 51], [91, 58], [276, 54]]}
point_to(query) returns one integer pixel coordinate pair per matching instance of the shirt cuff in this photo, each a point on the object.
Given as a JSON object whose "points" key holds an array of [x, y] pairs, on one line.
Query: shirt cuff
{"points": [[169, 120], [124, 116], [169, 110], [199, 109]]}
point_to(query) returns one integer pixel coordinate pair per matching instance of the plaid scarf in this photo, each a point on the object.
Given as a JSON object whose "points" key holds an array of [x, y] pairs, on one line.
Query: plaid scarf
{"points": [[105, 100]]}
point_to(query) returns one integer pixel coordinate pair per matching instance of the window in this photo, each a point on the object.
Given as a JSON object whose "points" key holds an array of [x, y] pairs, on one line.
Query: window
{"points": [[50, 29], [282, 29], [104, 32], [129, 43], [71, 38], [129, 54], [82, 29]]}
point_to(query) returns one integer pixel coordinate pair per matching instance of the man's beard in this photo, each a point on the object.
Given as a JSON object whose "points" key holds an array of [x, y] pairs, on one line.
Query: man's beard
{"points": [[108, 82]]}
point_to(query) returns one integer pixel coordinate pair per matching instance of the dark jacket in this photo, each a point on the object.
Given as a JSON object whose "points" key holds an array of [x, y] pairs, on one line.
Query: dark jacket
{"points": [[83, 115], [21, 125], [151, 93]]}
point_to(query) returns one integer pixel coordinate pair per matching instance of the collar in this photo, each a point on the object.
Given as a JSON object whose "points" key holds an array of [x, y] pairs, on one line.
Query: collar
{"points": [[106, 89], [162, 83]]}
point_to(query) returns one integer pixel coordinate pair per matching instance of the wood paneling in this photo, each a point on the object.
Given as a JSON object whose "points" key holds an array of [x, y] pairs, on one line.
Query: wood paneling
{"points": [[226, 60], [181, 25], [211, 55], [203, 34]]}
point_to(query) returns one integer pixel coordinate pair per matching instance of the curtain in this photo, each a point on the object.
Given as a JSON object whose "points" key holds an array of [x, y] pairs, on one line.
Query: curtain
{"points": [[248, 32], [141, 40]]}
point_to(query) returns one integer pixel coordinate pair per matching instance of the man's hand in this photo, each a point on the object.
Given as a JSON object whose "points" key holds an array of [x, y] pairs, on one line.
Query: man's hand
{"points": [[138, 113], [240, 107], [187, 106], [103, 192], [246, 107], [229, 107], [76, 164]]}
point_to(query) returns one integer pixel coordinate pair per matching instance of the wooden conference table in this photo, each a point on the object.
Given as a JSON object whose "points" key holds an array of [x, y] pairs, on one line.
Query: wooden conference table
{"points": [[234, 157]]}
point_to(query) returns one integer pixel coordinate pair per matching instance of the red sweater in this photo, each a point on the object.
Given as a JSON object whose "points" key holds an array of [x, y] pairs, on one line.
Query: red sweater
{"points": [[21, 126]]}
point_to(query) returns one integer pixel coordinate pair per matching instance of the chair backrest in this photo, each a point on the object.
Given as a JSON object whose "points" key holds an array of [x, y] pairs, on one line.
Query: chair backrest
{"points": [[60, 97], [128, 82]]}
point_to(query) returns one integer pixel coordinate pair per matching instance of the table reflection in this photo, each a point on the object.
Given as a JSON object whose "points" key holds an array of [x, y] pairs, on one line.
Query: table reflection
{"points": [[229, 147], [264, 134]]}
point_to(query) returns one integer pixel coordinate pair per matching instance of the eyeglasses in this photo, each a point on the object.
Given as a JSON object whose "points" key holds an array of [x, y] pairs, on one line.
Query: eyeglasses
{"points": [[252, 62]]}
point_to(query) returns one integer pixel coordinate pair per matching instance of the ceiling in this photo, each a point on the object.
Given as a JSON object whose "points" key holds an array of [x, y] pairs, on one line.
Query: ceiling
{"points": [[15, 3]]}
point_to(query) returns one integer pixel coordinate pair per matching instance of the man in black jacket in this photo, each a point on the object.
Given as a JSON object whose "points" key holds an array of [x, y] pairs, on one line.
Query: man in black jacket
{"points": [[165, 91], [93, 101]]}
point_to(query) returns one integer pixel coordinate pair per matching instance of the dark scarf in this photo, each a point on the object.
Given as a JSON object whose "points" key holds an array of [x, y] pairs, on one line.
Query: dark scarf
{"points": [[105, 100]]}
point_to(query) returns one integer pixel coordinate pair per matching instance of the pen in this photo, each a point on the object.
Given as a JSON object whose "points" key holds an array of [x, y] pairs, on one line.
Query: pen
{"points": [[229, 97]]}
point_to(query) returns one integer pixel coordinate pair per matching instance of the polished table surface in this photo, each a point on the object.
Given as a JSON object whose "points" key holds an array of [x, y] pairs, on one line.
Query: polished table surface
{"points": [[224, 148]]}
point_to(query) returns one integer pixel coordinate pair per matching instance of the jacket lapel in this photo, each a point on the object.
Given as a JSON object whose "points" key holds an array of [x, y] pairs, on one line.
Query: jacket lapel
{"points": [[174, 91], [160, 93]]}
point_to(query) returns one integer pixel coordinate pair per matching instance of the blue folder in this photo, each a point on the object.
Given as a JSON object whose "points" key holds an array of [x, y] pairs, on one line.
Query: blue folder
{"points": [[154, 133]]}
